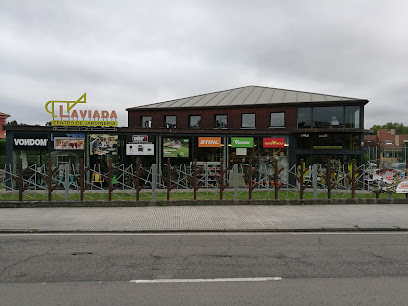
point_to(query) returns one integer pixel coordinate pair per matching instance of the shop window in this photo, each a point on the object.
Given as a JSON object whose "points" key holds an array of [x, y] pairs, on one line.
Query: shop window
{"points": [[277, 120], [304, 118], [248, 120], [221, 121], [328, 117], [146, 122], [170, 122], [195, 122], [352, 119]]}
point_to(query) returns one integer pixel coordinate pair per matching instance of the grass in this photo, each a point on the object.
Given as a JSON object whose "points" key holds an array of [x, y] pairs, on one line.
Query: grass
{"points": [[181, 195]]}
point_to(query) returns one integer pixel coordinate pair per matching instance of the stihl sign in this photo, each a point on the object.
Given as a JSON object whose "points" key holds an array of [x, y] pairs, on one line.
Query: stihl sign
{"points": [[212, 142]]}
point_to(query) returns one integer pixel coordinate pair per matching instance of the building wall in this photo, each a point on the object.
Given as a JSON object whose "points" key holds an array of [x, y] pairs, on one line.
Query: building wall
{"points": [[262, 115], [2, 132]]}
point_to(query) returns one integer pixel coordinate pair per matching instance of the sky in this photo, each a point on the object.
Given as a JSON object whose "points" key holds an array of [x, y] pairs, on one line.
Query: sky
{"points": [[129, 53]]}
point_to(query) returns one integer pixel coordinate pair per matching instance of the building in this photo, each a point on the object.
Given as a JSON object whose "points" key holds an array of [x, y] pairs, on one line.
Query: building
{"points": [[254, 123], [3, 118], [313, 127], [387, 146]]}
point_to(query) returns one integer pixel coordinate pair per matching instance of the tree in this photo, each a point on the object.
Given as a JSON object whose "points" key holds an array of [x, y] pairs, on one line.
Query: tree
{"points": [[398, 127]]}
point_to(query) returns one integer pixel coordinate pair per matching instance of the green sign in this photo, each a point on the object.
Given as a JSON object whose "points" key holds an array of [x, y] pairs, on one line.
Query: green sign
{"points": [[240, 142]]}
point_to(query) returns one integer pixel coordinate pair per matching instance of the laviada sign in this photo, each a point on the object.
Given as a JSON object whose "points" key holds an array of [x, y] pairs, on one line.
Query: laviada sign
{"points": [[79, 117]]}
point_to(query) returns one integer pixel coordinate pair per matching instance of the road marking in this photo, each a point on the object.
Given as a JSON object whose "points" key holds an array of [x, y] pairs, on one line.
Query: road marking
{"points": [[205, 280]]}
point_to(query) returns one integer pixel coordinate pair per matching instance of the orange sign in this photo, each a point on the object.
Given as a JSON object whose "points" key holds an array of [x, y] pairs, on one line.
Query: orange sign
{"points": [[274, 142], [209, 142]]}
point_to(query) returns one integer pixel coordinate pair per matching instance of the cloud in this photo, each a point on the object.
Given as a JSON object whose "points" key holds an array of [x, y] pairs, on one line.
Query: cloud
{"points": [[130, 53]]}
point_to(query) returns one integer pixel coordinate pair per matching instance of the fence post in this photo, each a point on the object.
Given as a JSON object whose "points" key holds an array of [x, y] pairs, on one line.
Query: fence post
{"points": [[154, 169], [66, 170], [314, 176], [235, 171]]}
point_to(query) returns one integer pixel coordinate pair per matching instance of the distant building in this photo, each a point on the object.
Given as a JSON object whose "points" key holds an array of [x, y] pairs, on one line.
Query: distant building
{"points": [[3, 118], [387, 146]]}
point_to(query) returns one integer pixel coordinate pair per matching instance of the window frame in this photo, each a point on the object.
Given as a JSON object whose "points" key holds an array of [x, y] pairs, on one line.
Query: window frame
{"points": [[277, 126], [221, 126], [167, 125], [242, 121], [189, 122], [143, 124]]}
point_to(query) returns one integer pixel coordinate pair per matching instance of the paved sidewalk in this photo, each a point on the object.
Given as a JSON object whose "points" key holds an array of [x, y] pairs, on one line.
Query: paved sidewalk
{"points": [[205, 218]]}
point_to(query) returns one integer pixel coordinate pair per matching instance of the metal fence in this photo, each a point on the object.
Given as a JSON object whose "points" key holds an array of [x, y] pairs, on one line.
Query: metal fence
{"points": [[187, 181]]}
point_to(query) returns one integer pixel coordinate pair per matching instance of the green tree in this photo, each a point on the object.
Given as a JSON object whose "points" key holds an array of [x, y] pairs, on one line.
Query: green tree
{"points": [[399, 128]]}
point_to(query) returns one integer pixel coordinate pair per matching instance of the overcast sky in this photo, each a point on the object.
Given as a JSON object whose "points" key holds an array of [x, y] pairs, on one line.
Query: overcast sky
{"points": [[130, 53]]}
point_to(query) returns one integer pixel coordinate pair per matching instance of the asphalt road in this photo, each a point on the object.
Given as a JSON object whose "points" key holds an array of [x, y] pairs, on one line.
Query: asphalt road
{"points": [[220, 269]]}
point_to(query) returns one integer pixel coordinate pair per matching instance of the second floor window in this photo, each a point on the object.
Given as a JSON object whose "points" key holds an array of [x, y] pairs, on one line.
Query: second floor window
{"points": [[170, 122], [277, 120], [248, 121], [146, 122], [221, 121], [195, 122]]}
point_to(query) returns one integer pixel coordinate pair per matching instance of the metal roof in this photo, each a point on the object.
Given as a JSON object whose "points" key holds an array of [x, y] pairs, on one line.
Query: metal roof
{"points": [[248, 95]]}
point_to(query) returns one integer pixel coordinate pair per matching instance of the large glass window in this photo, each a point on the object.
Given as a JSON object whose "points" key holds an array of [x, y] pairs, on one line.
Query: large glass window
{"points": [[248, 121], [352, 114], [146, 121], [277, 120], [195, 122], [170, 122], [304, 117], [328, 117], [221, 121]]}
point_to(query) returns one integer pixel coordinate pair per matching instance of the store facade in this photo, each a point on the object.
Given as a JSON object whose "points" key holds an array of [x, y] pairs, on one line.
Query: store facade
{"points": [[249, 124]]}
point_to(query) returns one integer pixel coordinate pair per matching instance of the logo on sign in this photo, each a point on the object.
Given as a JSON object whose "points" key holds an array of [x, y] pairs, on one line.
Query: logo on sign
{"points": [[31, 142], [209, 142], [274, 142], [139, 138]]}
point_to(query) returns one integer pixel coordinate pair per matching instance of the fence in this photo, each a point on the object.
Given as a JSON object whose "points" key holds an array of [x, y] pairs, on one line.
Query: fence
{"points": [[188, 181]]}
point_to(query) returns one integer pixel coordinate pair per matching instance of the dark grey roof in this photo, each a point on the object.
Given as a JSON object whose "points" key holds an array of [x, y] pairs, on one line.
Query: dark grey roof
{"points": [[248, 95]]}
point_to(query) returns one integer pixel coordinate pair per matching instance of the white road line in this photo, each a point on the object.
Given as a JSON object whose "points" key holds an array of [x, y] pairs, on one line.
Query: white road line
{"points": [[205, 280]]}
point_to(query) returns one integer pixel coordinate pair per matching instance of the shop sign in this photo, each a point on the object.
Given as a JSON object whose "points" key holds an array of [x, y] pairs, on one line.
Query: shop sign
{"points": [[139, 149], [35, 142], [402, 187], [328, 147], [240, 142], [209, 142], [139, 138], [68, 143], [175, 147], [274, 142], [101, 144], [79, 117]]}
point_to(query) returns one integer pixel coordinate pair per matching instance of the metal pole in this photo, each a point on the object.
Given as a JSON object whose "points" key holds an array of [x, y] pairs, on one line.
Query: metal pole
{"points": [[314, 174], [235, 168], [154, 176], [66, 181]]}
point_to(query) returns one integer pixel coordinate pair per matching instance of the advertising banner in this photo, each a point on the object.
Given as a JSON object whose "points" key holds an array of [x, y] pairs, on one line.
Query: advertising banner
{"points": [[402, 187], [101, 144], [274, 142], [139, 149], [67, 143], [209, 142], [241, 142], [175, 147]]}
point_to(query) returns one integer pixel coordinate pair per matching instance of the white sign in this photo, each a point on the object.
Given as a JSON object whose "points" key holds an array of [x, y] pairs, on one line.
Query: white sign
{"points": [[31, 142], [402, 187], [241, 151], [139, 149]]}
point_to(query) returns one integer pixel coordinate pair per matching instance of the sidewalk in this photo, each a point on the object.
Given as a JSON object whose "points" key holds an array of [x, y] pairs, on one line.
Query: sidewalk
{"points": [[206, 218]]}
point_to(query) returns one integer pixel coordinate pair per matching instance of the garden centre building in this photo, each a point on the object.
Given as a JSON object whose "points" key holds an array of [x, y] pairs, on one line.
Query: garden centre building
{"points": [[237, 125]]}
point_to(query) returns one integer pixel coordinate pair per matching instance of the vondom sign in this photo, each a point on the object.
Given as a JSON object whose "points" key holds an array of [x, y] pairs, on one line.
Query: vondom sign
{"points": [[79, 117]]}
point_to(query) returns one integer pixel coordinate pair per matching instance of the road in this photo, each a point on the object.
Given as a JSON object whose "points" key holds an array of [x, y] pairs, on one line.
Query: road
{"points": [[217, 269]]}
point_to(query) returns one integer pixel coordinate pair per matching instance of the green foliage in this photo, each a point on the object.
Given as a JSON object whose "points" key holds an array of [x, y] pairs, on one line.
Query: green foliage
{"points": [[399, 128], [2, 147]]}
